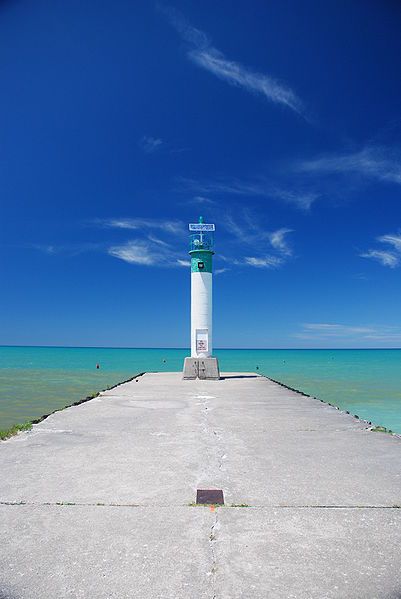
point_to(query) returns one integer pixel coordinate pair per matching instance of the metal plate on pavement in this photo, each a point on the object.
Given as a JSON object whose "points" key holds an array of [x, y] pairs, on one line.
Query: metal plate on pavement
{"points": [[210, 496]]}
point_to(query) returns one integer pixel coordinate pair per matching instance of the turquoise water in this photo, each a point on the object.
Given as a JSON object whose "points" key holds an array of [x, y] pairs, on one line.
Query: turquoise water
{"points": [[38, 380]]}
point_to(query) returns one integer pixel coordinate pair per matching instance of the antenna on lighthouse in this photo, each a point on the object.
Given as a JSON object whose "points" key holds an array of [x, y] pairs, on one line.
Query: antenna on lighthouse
{"points": [[201, 249]]}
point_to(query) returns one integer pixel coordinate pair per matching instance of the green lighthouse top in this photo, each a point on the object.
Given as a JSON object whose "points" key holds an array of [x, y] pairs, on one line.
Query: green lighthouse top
{"points": [[201, 246], [201, 238]]}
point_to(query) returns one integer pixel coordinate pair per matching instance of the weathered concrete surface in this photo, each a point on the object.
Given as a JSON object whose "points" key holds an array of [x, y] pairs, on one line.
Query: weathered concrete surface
{"points": [[323, 493]]}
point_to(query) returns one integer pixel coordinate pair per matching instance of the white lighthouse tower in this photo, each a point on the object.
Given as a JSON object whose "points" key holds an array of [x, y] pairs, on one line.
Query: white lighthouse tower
{"points": [[201, 363]]}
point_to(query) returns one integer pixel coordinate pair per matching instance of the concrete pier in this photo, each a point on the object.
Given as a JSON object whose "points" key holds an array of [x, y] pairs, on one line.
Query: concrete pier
{"points": [[98, 501]]}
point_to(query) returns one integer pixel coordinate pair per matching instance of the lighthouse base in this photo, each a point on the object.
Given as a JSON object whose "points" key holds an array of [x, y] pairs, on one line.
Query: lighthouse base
{"points": [[201, 368]]}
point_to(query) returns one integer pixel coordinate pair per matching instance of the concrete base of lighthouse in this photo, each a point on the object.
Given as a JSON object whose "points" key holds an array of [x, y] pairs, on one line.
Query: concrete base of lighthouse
{"points": [[201, 368]]}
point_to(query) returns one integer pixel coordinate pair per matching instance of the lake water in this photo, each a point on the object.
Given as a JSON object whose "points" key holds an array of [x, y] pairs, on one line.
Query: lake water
{"points": [[37, 380]]}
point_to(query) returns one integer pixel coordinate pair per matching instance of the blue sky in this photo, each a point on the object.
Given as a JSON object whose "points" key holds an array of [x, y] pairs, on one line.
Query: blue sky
{"points": [[120, 122]]}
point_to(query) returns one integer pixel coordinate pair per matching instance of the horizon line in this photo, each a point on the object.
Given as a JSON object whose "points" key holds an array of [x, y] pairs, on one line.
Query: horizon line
{"points": [[216, 349]]}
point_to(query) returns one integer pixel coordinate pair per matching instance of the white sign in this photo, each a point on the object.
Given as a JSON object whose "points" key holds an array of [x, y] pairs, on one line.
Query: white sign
{"points": [[202, 339], [201, 227]]}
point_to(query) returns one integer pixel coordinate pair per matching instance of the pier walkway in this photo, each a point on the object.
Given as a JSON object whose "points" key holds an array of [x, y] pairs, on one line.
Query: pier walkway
{"points": [[99, 501]]}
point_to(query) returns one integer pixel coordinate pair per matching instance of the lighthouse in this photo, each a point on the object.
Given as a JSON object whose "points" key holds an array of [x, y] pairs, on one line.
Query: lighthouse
{"points": [[201, 363]]}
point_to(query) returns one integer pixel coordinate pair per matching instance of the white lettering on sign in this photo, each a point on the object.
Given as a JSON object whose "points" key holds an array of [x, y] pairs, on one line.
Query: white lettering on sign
{"points": [[201, 227], [202, 340]]}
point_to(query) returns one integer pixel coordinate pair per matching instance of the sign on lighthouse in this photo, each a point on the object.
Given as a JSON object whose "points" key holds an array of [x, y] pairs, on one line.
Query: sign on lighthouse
{"points": [[201, 363]]}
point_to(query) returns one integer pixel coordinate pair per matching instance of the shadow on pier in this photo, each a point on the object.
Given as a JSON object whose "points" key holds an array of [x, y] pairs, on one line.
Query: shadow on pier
{"points": [[240, 376]]}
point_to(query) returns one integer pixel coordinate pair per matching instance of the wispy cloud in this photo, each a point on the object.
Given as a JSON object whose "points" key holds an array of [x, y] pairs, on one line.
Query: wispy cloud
{"points": [[47, 249], [196, 200], [384, 258], [349, 333], [237, 74], [147, 253], [150, 144], [260, 187], [270, 248], [393, 239], [239, 230], [266, 262], [158, 241], [278, 241], [201, 200], [247, 229], [374, 162], [174, 227], [65, 249], [205, 55], [155, 242], [390, 258], [300, 199], [134, 252], [330, 329]]}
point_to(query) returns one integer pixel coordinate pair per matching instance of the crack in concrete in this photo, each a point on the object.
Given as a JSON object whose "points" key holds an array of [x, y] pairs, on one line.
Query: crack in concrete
{"points": [[212, 541], [214, 454], [220, 455]]}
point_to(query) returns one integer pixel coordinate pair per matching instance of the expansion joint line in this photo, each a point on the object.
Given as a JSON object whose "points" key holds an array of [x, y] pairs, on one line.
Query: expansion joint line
{"points": [[216, 525]]}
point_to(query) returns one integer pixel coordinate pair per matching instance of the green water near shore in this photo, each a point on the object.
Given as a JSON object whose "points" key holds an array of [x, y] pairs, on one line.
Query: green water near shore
{"points": [[37, 380]]}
